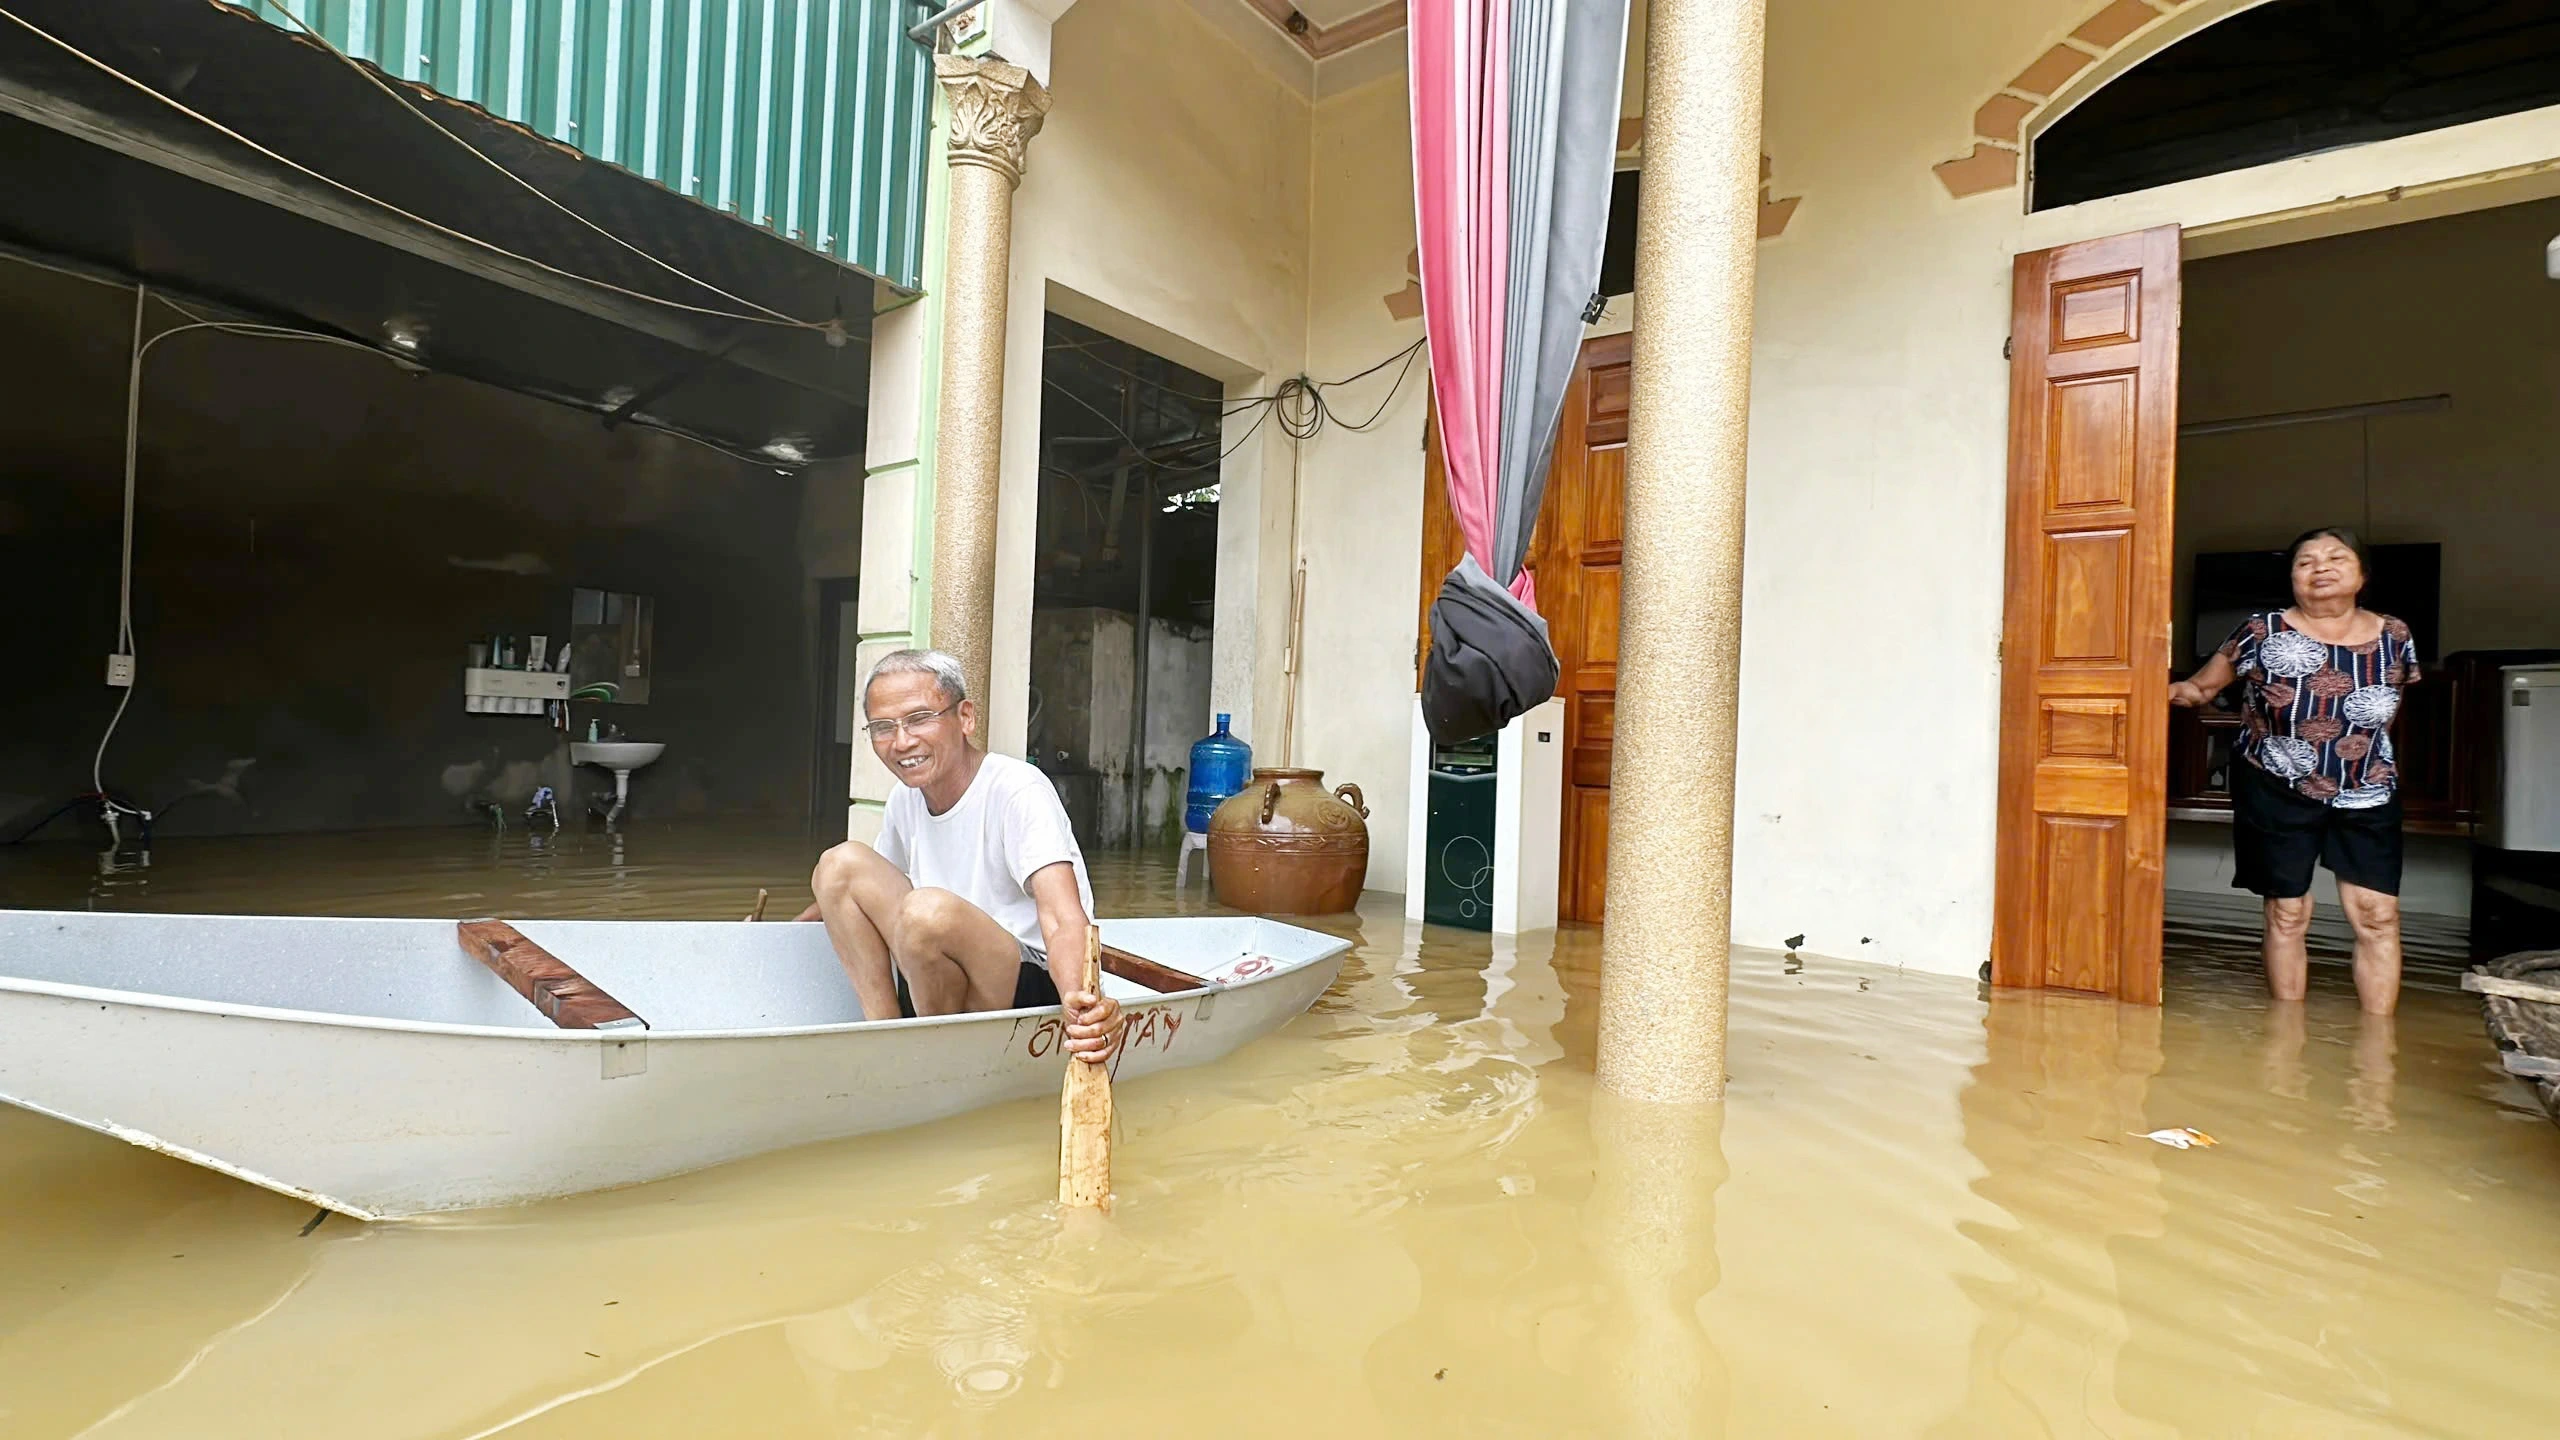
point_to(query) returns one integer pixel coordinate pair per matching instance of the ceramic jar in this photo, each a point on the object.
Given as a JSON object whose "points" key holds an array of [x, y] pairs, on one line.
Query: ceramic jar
{"points": [[1284, 845]]}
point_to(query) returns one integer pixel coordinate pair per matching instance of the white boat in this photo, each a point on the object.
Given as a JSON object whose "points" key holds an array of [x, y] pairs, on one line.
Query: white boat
{"points": [[377, 1069]]}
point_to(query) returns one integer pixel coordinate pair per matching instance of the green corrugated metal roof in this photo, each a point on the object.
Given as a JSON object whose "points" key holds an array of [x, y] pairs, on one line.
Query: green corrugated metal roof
{"points": [[807, 117]]}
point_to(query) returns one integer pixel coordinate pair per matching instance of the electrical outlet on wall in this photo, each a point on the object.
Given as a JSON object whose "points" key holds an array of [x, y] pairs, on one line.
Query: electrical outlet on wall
{"points": [[120, 670]]}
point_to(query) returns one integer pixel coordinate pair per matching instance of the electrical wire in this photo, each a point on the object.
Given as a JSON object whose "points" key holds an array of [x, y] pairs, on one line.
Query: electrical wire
{"points": [[1298, 403], [1238, 404], [1380, 413], [376, 78], [1095, 356], [1133, 443], [124, 576], [142, 348], [260, 330], [142, 298], [376, 201]]}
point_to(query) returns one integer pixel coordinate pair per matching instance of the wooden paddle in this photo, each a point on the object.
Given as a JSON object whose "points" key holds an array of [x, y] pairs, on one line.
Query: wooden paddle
{"points": [[1084, 1112]]}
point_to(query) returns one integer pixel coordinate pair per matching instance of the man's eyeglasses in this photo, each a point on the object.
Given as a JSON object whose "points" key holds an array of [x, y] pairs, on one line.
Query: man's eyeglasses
{"points": [[885, 729]]}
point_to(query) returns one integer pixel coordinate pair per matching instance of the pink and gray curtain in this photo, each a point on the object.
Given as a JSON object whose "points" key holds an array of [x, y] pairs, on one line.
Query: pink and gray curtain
{"points": [[1515, 124]]}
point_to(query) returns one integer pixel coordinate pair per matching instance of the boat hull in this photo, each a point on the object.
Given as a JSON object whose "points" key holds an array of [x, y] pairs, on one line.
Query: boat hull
{"points": [[380, 1118], [2523, 1027]]}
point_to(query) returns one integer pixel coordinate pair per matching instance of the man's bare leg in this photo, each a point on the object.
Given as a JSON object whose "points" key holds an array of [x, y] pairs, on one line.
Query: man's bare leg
{"points": [[2376, 918], [858, 897], [2287, 947], [955, 956]]}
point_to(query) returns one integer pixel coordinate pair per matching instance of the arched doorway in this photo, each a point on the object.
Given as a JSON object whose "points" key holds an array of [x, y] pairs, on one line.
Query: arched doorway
{"points": [[2105, 814]]}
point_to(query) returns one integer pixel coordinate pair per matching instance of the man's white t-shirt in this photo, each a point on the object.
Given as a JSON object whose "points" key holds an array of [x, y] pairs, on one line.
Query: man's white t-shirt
{"points": [[1007, 827]]}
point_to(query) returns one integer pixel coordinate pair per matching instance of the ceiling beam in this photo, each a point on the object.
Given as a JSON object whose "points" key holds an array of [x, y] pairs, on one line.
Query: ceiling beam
{"points": [[1322, 41]]}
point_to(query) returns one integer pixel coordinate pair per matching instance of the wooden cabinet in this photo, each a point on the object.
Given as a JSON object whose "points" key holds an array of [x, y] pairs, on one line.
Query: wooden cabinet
{"points": [[2200, 758]]}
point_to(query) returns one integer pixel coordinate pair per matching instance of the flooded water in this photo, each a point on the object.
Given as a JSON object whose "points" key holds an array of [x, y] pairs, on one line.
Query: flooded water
{"points": [[1923, 1211]]}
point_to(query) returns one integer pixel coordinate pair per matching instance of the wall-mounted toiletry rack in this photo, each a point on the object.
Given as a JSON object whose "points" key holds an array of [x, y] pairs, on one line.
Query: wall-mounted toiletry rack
{"points": [[511, 692]]}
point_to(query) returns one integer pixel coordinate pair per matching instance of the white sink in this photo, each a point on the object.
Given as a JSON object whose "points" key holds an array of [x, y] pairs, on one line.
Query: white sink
{"points": [[619, 756]]}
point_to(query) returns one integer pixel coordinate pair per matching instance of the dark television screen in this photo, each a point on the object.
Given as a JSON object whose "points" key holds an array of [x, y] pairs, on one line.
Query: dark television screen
{"points": [[2231, 585]]}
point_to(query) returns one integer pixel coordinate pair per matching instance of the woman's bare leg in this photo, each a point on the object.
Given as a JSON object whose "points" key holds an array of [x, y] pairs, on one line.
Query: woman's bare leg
{"points": [[2286, 947], [2376, 918]]}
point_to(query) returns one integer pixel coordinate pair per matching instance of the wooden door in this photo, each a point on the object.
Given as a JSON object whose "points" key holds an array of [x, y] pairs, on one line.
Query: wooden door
{"points": [[1574, 556], [1576, 561], [2084, 708]]}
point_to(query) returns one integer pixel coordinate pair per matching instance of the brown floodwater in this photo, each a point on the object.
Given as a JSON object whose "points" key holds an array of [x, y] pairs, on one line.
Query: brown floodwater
{"points": [[1923, 1210]]}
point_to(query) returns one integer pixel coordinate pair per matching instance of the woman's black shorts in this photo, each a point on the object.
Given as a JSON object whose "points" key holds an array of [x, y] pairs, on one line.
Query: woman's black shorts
{"points": [[2278, 834]]}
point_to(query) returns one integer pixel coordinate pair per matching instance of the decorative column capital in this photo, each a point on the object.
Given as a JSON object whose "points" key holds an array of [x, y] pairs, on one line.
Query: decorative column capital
{"points": [[995, 110]]}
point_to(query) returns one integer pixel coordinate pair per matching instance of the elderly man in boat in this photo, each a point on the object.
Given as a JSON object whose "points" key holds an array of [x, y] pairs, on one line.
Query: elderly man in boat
{"points": [[975, 895]]}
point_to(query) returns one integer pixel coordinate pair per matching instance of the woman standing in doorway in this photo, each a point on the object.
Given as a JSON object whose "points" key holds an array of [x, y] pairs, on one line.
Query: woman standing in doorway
{"points": [[2313, 779]]}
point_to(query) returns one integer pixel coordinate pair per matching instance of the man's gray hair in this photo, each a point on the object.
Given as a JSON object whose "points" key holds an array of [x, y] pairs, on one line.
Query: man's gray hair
{"points": [[945, 671]]}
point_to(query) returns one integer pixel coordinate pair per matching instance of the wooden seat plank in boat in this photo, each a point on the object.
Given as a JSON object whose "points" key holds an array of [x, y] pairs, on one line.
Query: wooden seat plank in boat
{"points": [[1138, 969], [565, 997]]}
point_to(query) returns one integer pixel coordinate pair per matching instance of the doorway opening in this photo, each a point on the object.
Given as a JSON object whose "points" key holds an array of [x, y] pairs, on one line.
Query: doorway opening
{"points": [[1124, 581], [345, 593], [2398, 382]]}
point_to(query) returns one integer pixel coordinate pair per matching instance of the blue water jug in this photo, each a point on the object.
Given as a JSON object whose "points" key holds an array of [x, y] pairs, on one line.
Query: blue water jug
{"points": [[1220, 766]]}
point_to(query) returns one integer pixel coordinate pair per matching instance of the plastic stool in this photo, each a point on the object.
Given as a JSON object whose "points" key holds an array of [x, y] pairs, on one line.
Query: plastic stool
{"points": [[1191, 840]]}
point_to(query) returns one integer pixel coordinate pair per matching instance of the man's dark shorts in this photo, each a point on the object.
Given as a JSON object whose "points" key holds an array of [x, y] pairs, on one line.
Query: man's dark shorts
{"points": [[1033, 989]]}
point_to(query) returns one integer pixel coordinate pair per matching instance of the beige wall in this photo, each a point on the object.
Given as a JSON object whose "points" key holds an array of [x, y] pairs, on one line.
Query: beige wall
{"points": [[1865, 807], [1362, 491], [1188, 195], [1187, 185], [2456, 306], [1165, 203]]}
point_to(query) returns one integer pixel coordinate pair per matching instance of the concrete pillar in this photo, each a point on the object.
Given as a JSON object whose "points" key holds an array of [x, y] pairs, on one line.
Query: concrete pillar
{"points": [[995, 108], [1670, 897]]}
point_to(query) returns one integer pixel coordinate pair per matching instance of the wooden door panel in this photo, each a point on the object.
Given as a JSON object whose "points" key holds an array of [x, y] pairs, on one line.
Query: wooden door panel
{"points": [[1584, 523], [2093, 442], [2063, 788], [1587, 859], [1604, 506], [1599, 614], [2085, 597], [2083, 863], [2098, 310], [1610, 365], [2085, 644], [2084, 729], [1591, 725]]}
